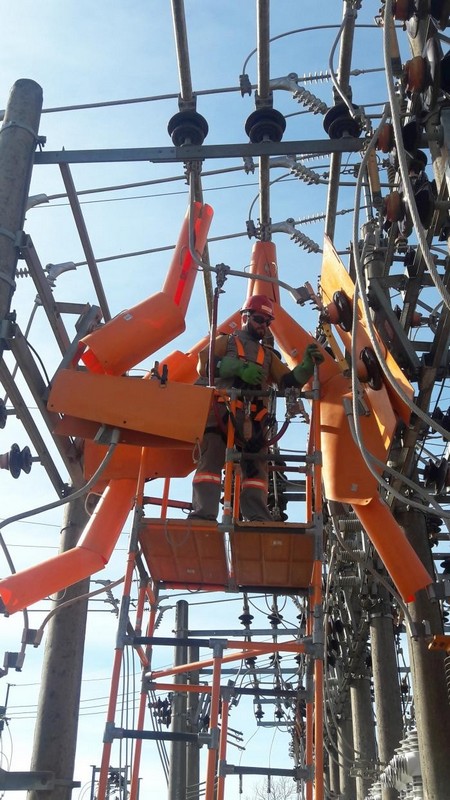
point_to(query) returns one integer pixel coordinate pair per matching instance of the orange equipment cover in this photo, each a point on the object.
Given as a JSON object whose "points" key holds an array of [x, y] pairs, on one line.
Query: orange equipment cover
{"points": [[174, 410], [183, 269], [334, 278], [84, 429], [272, 555], [346, 477], [264, 262], [108, 519], [90, 555], [390, 541], [188, 553], [159, 462], [136, 333], [132, 336]]}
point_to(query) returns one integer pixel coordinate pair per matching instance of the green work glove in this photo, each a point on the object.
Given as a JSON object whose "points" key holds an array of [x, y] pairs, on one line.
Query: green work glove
{"points": [[303, 372], [249, 372]]}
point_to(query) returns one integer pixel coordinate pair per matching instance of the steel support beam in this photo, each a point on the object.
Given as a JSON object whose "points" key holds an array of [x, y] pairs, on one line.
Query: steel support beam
{"points": [[161, 155]]}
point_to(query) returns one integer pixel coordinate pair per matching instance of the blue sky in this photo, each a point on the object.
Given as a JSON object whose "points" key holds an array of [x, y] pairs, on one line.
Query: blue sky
{"points": [[87, 53]]}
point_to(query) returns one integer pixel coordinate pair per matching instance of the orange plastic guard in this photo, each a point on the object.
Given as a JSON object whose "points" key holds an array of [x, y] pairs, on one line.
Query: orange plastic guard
{"points": [[346, 476], [104, 527], [133, 335], [264, 262], [390, 541], [90, 555], [183, 269], [159, 462], [138, 332], [176, 411], [334, 277], [30, 585]]}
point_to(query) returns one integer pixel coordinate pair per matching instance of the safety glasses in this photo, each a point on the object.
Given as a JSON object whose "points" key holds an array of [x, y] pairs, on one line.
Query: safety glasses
{"points": [[260, 320]]}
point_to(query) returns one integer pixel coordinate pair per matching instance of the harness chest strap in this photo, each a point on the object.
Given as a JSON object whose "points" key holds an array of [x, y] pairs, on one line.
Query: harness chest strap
{"points": [[258, 412], [241, 352]]}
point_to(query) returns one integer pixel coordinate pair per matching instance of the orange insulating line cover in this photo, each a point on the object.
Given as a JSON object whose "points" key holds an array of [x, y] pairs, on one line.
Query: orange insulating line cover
{"points": [[136, 333], [90, 555], [183, 269], [132, 336], [390, 541], [24, 588], [106, 523], [264, 262]]}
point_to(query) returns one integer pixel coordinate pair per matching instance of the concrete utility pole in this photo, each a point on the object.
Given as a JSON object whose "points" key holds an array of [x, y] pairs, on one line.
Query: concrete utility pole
{"points": [[430, 691], [347, 783], [55, 734], [388, 706], [177, 767], [18, 136], [363, 731], [193, 750]]}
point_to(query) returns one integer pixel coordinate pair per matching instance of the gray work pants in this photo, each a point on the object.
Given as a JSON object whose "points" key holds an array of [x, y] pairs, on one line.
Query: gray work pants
{"points": [[206, 487]]}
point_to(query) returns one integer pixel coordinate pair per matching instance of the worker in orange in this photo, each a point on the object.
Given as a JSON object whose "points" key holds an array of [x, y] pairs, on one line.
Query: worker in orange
{"points": [[242, 361]]}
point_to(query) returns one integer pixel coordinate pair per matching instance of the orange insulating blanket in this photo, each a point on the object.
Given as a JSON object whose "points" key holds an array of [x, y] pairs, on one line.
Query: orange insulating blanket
{"points": [[90, 555]]}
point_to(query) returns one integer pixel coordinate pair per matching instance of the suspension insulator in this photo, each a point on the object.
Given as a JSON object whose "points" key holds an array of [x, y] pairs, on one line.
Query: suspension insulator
{"points": [[411, 133], [416, 75], [394, 207], [18, 460], [265, 123], [386, 139], [373, 369], [27, 460], [338, 122], [187, 127]]}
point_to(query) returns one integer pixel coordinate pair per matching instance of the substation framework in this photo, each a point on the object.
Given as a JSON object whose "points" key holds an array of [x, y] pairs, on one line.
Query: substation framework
{"points": [[355, 616]]}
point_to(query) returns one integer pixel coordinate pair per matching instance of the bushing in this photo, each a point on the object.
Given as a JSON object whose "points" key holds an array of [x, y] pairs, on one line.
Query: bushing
{"points": [[187, 127], [265, 124], [338, 122]]}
